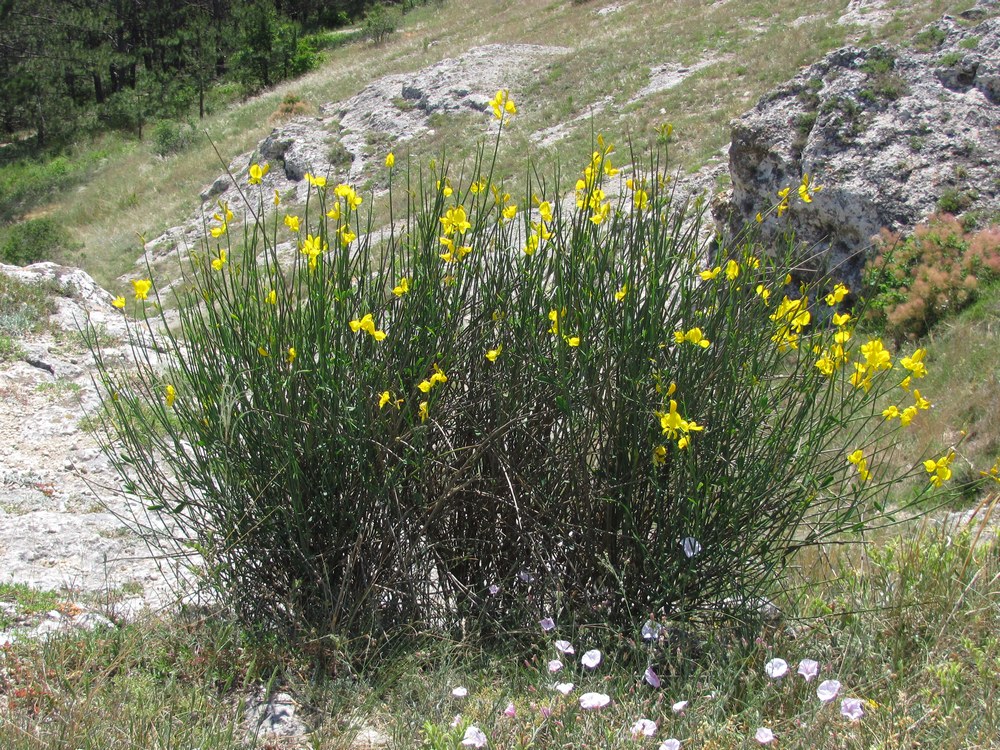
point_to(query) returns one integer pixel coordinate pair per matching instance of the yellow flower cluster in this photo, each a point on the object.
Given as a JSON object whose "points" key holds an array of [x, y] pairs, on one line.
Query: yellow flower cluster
{"points": [[588, 191], [939, 469], [692, 336], [791, 317], [674, 427], [858, 459], [367, 324]]}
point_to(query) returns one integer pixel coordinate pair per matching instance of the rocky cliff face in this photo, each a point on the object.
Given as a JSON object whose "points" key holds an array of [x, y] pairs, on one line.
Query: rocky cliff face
{"points": [[892, 134]]}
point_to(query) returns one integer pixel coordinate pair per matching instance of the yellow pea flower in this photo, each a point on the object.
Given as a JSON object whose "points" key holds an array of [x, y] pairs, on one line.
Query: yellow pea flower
{"points": [[316, 182], [171, 394], [509, 212], [573, 341], [118, 302], [384, 399], [292, 354], [346, 235], [919, 401], [620, 294], [905, 382], [219, 231], [710, 273], [219, 262], [402, 287], [659, 455], [390, 162], [763, 292], [837, 295], [277, 198], [907, 415], [292, 222], [940, 469], [272, 298], [263, 352], [257, 173], [334, 212], [502, 104], [492, 354], [858, 459], [531, 245], [915, 363], [141, 288], [554, 317], [891, 412], [732, 270], [841, 319], [424, 411]]}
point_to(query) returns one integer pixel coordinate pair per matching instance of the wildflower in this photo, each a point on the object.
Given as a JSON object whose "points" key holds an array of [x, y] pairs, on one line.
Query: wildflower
{"points": [[141, 288], [861, 378], [219, 262], [674, 425], [390, 160], [792, 314], [292, 222], [316, 182], [919, 401], [445, 187], [402, 287], [555, 665], [651, 678], [346, 235], [693, 336], [425, 386], [651, 632], [171, 394], [502, 104], [841, 319], [591, 701], [272, 298], [118, 302], [423, 411], [891, 412], [940, 469], [312, 248], [907, 415], [334, 212], [806, 190], [776, 668], [710, 273], [620, 294], [367, 324], [545, 211], [478, 186], [659, 455], [474, 737], [384, 399], [852, 708], [531, 244], [263, 352], [759, 218], [554, 317], [459, 692], [492, 354], [351, 198], [828, 690], [219, 231], [826, 365], [643, 728], [858, 459], [510, 712], [808, 668], [455, 220], [257, 173], [691, 546], [591, 659], [876, 356], [763, 292], [679, 707], [837, 295], [732, 270], [564, 687], [670, 744], [573, 341], [438, 376], [915, 363], [277, 198], [640, 200], [764, 736], [509, 212], [292, 354], [547, 624], [601, 212], [783, 201]]}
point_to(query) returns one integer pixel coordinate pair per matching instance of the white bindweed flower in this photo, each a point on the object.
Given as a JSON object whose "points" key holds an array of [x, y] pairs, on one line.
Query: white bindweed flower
{"points": [[564, 687], [776, 668], [594, 700], [808, 668], [643, 728], [494, 589], [828, 690], [852, 708], [650, 631], [679, 706], [564, 647], [459, 692], [591, 659], [474, 737], [555, 665], [670, 744], [764, 736], [547, 624], [691, 546], [651, 677]]}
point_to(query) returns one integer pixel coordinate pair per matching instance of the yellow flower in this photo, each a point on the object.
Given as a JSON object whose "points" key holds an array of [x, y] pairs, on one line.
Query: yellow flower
{"points": [[510, 212], [841, 319], [425, 386], [876, 356], [531, 245], [554, 317], [907, 415], [346, 235], [764, 292], [349, 195], [219, 230], [732, 270], [545, 211], [940, 469], [292, 354], [620, 294], [806, 191], [502, 104], [919, 401], [659, 455], [141, 288], [390, 162], [334, 212], [424, 412], [272, 297], [759, 218], [171, 395], [861, 377], [402, 287], [263, 352], [292, 222], [257, 173], [386, 397], [118, 302], [640, 200], [438, 375], [891, 412], [367, 324], [492, 354], [219, 262], [316, 182], [601, 213], [693, 336], [792, 314], [277, 198], [858, 459], [455, 220], [710, 273], [573, 341], [837, 295], [478, 186], [915, 363], [826, 365], [312, 248]]}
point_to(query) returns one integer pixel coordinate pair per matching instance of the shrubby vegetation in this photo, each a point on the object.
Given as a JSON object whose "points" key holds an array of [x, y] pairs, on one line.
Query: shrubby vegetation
{"points": [[506, 410]]}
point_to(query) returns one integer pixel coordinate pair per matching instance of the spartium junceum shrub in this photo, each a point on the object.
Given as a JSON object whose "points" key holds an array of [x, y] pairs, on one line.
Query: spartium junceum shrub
{"points": [[503, 408]]}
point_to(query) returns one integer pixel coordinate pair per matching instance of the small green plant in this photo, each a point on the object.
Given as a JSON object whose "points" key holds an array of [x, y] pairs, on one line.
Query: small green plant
{"points": [[915, 282], [23, 307], [950, 59], [34, 240], [340, 157], [971, 42], [170, 137], [381, 21], [955, 201], [929, 39]]}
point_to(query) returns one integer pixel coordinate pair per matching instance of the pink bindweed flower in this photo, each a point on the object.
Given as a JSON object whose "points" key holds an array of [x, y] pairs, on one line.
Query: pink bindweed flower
{"points": [[643, 728], [679, 706], [547, 624], [555, 665], [564, 647], [474, 737], [591, 701], [764, 736], [591, 659], [651, 677], [456, 720], [852, 708], [564, 687], [459, 692], [510, 712], [828, 690], [494, 589], [546, 711], [670, 744], [776, 668], [808, 668]]}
